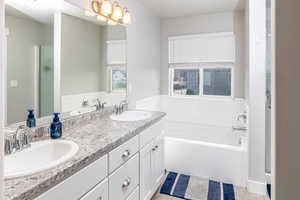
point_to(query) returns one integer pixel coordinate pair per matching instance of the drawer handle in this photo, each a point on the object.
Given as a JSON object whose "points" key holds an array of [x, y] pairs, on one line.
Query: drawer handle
{"points": [[126, 183], [126, 154]]}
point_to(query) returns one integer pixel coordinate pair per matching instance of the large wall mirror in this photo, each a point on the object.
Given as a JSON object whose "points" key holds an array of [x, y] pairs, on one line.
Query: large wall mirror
{"points": [[61, 61]]}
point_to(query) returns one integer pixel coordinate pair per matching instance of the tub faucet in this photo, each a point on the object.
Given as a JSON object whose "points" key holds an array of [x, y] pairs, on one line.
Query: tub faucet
{"points": [[242, 116], [239, 128]]}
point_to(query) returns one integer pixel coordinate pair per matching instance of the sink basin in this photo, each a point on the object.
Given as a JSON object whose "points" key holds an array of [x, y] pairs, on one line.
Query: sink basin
{"points": [[39, 157], [131, 116]]}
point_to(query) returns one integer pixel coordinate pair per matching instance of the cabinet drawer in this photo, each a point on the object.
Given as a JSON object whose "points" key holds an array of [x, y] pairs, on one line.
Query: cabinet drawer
{"points": [[123, 181], [80, 183], [100, 192], [134, 195], [150, 133], [120, 155]]}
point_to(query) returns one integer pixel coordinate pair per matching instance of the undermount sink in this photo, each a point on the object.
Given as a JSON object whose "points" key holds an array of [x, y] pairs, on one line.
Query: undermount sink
{"points": [[39, 157], [131, 116]]}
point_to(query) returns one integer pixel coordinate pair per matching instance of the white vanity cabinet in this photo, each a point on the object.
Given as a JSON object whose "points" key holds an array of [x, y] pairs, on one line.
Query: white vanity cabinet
{"points": [[132, 171], [151, 167]]}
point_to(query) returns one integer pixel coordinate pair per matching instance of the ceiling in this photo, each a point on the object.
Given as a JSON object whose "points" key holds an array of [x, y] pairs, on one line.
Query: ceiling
{"points": [[181, 8]]}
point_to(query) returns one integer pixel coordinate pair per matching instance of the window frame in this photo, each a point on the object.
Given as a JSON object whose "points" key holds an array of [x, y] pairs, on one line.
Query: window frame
{"points": [[201, 68], [110, 80]]}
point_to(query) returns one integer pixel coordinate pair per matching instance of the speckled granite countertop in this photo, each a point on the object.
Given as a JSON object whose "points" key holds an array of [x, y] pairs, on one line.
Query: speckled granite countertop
{"points": [[95, 139]]}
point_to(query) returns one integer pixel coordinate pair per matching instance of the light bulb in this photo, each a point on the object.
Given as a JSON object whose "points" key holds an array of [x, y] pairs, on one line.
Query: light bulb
{"points": [[117, 12], [126, 17], [106, 8], [111, 22], [101, 18], [89, 13]]}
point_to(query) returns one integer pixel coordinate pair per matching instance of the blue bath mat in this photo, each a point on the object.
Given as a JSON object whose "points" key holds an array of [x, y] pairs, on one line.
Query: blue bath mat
{"points": [[194, 188], [269, 190]]}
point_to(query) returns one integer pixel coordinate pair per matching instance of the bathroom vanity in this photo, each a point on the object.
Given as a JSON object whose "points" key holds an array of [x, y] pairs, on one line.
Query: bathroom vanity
{"points": [[116, 160]]}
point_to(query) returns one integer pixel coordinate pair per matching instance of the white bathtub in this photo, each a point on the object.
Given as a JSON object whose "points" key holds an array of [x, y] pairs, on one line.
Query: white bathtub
{"points": [[213, 152]]}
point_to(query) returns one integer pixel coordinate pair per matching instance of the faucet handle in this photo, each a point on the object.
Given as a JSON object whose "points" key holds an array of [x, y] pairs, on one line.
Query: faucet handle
{"points": [[103, 105], [8, 146]]}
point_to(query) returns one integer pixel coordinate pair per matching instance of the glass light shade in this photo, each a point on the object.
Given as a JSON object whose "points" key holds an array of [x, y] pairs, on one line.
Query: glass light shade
{"points": [[117, 12], [101, 18], [106, 8], [89, 13], [96, 5], [111, 22], [126, 17]]}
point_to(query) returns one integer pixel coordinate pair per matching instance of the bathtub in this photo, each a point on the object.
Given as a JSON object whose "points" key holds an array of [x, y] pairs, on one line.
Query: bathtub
{"points": [[212, 152]]}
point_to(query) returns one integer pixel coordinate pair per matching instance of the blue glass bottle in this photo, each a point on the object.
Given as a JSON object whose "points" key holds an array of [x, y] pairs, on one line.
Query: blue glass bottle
{"points": [[56, 127], [30, 122]]}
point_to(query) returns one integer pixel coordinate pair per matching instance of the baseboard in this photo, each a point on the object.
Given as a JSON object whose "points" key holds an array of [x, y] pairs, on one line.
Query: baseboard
{"points": [[257, 187]]}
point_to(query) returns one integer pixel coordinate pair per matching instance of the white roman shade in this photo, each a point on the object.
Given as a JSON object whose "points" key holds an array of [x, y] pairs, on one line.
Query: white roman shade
{"points": [[202, 48], [116, 52]]}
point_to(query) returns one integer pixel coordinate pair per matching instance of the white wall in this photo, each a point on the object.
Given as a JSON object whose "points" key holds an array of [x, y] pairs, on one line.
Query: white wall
{"points": [[2, 14], [143, 56], [287, 107], [202, 111], [257, 95], [206, 23]]}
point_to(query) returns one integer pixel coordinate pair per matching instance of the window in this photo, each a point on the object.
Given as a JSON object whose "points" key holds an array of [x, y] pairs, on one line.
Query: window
{"points": [[217, 82], [118, 79], [201, 81], [186, 82]]}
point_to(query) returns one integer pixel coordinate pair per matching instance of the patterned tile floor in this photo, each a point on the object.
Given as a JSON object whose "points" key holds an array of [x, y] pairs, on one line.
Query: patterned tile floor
{"points": [[241, 194]]}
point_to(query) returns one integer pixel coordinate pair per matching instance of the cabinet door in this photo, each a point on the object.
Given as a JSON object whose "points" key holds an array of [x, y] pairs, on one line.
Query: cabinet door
{"points": [[158, 161], [134, 195], [146, 176]]}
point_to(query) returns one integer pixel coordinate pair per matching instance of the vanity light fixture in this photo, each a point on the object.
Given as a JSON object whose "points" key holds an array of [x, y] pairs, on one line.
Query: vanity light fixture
{"points": [[113, 13], [117, 12], [126, 17]]}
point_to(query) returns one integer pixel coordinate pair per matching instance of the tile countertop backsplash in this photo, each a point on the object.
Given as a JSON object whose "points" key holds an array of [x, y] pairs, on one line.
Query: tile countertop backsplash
{"points": [[96, 135]]}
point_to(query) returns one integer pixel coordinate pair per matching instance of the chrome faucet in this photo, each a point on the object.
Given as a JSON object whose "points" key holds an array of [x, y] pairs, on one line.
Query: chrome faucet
{"points": [[99, 105], [121, 107], [18, 141], [85, 103]]}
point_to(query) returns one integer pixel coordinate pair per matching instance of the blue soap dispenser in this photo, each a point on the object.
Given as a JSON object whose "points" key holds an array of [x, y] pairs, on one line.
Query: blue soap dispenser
{"points": [[30, 122], [56, 127]]}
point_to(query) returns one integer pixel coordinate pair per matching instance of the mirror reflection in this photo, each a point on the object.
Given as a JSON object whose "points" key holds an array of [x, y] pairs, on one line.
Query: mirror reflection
{"points": [[91, 67], [30, 66], [93, 64]]}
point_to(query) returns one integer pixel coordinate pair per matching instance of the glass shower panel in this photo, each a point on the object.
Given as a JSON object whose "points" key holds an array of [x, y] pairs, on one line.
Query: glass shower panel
{"points": [[46, 103]]}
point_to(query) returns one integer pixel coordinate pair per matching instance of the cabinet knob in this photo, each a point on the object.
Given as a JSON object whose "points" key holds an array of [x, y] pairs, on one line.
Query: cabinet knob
{"points": [[99, 198], [126, 183], [156, 147], [126, 154]]}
